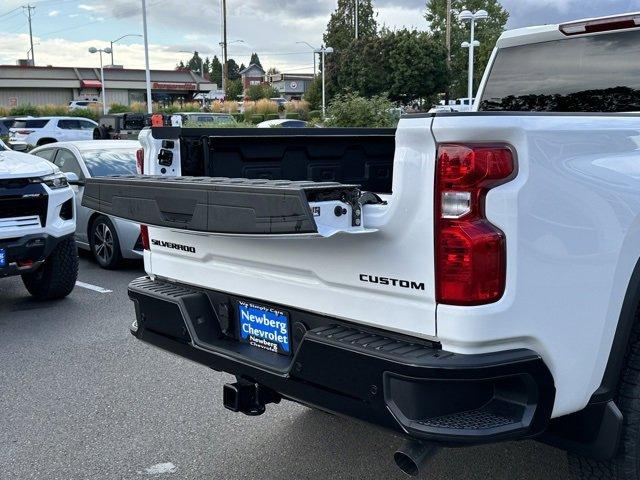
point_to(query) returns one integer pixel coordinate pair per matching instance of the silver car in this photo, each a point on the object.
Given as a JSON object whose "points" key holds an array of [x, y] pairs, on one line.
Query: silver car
{"points": [[109, 239]]}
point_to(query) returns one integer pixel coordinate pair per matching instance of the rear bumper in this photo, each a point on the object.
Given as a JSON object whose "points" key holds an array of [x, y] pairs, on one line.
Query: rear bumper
{"points": [[27, 253], [400, 383]]}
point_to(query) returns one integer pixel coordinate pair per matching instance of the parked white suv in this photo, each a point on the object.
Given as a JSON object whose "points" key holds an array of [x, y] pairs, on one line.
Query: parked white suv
{"points": [[79, 104], [37, 223], [43, 130]]}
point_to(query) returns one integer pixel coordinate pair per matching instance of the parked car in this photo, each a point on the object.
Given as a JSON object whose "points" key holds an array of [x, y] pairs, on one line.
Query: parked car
{"points": [[43, 130], [480, 284], [203, 117], [37, 221], [109, 239], [80, 104], [283, 123]]}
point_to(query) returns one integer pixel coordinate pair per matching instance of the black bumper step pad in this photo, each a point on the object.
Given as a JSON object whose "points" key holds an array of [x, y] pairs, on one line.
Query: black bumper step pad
{"points": [[215, 205]]}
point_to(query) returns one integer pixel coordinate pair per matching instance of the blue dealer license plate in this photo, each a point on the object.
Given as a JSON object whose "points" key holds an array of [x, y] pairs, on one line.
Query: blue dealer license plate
{"points": [[3, 257], [264, 327]]}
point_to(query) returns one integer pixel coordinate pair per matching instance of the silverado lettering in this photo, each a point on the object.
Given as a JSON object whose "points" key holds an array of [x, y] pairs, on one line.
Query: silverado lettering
{"points": [[391, 281], [174, 246]]}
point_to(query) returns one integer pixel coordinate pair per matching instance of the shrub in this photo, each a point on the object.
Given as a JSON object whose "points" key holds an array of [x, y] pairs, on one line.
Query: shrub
{"points": [[301, 107], [24, 110], [229, 106], [315, 114], [292, 116], [140, 107], [4, 112], [92, 113], [314, 94], [255, 119], [119, 108], [190, 107], [352, 110], [52, 110], [239, 117], [266, 107], [272, 116]]}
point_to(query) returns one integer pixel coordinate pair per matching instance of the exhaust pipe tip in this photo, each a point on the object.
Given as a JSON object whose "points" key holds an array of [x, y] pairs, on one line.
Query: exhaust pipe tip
{"points": [[413, 455]]}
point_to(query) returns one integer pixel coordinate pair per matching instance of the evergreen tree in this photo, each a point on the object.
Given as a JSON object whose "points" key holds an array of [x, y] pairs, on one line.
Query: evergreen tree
{"points": [[255, 60], [234, 89], [233, 69], [195, 64], [215, 71], [487, 33]]}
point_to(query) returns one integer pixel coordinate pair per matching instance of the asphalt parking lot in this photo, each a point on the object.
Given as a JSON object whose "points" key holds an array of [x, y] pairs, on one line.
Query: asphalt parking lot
{"points": [[80, 398]]}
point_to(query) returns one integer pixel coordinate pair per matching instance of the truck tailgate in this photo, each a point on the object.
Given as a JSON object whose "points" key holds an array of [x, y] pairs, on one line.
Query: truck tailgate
{"points": [[292, 250]]}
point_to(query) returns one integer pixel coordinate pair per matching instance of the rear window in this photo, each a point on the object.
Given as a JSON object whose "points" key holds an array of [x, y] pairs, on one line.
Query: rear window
{"points": [[586, 74], [37, 123], [106, 163]]}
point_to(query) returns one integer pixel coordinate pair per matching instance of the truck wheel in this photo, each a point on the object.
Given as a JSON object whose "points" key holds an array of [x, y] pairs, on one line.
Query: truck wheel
{"points": [[626, 464], [57, 276], [101, 133], [104, 243]]}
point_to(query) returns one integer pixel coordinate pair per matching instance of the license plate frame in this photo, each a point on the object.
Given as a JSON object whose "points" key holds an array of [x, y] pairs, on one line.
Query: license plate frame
{"points": [[264, 327]]}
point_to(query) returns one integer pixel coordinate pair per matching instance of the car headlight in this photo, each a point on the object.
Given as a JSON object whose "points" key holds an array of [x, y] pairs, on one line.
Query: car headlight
{"points": [[57, 180]]}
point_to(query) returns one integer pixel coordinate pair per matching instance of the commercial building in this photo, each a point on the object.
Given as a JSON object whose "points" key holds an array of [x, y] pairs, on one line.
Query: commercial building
{"points": [[59, 85], [291, 86]]}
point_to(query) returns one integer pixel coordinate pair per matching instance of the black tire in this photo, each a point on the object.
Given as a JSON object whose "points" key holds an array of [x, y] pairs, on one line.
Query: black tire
{"points": [[626, 464], [104, 243], [101, 133], [57, 277]]}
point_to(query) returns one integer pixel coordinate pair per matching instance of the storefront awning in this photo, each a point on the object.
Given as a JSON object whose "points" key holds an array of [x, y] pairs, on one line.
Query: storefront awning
{"points": [[91, 84]]}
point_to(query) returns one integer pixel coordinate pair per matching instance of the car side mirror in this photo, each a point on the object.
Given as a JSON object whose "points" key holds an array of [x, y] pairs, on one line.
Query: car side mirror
{"points": [[73, 179]]}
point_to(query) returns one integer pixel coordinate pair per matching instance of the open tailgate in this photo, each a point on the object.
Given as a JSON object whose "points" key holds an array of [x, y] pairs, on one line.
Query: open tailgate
{"points": [[229, 206]]}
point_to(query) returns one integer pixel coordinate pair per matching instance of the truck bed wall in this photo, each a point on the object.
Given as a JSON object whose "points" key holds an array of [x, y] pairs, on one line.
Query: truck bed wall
{"points": [[353, 156]]}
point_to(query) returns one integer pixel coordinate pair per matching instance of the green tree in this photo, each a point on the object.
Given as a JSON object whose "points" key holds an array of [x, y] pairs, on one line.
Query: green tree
{"points": [[195, 63], [258, 92], [313, 95], [487, 32], [215, 71], [233, 69], [406, 64], [234, 89], [255, 60], [341, 34]]}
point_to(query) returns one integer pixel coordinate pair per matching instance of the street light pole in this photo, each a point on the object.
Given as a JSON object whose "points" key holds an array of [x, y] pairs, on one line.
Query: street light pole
{"points": [[466, 15], [104, 88], [146, 57], [118, 39], [323, 51], [357, 24]]}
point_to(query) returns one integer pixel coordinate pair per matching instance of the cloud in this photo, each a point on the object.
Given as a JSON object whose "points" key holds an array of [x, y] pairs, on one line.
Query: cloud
{"points": [[54, 13], [91, 8]]}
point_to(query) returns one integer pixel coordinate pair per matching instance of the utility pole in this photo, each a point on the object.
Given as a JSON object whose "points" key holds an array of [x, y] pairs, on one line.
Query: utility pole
{"points": [[147, 72], [357, 22], [448, 35], [225, 66], [33, 54]]}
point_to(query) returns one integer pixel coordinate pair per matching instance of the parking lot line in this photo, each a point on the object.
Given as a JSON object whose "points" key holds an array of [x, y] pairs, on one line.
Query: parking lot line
{"points": [[95, 288]]}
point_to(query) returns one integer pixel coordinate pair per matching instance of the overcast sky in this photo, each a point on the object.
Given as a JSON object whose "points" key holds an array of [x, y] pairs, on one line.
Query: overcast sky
{"points": [[65, 29]]}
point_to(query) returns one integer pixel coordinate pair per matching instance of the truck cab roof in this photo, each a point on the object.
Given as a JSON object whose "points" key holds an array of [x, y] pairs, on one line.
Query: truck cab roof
{"points": [[546, 33]]}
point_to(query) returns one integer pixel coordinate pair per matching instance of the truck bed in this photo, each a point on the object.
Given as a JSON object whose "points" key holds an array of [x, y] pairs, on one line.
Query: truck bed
{"points": [[347, 155]]}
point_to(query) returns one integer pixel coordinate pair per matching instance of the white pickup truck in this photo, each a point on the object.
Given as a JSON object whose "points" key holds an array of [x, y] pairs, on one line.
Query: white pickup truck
{"points": [[468, 278]]}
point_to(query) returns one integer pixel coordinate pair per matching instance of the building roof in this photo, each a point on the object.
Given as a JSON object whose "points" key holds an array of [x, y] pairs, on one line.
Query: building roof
{"points": [[72, 77], [253, 66]]}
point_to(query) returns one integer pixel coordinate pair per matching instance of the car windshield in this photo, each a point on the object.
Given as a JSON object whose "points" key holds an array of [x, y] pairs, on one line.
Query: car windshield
{"points": [[106, 163], [585, 74]]}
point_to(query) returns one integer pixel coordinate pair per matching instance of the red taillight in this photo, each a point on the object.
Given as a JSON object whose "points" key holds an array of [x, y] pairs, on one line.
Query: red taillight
{"points": [[470, 251], [24, 132], [144, 236], [140, 161], [622, 22]]}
